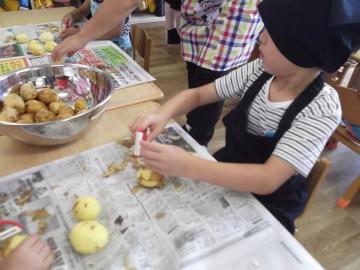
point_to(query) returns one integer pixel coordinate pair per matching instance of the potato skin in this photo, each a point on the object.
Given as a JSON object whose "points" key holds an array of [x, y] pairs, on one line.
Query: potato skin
{"points": [[28, 91], [48, 96], [26, 118], [14, 101], [44, 115], [80, 105], [65, 112], [33, 106]]}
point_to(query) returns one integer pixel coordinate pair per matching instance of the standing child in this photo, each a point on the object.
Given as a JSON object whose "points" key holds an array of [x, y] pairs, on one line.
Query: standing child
{"points": [[120, 35], [286, 112]]}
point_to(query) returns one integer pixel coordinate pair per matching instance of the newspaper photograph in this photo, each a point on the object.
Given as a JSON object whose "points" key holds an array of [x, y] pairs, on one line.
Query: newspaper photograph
{"points": [[177, 226]]}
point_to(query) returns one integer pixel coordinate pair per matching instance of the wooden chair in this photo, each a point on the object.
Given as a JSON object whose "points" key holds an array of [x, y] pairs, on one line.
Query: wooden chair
{"points": [[350, 103], [141, 43], [315, 179]]}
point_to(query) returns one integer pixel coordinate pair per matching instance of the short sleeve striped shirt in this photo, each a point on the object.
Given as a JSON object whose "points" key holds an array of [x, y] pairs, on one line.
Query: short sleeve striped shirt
{"points": [[219, 34], [302, 143]]}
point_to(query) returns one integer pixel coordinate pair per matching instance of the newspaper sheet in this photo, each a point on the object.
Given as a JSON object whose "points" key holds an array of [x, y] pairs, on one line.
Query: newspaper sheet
{"points": [[101, 54], [187, 224]]}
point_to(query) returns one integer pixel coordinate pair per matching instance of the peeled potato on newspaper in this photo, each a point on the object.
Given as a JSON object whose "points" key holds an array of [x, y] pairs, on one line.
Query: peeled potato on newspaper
{"points": [[13, 243], [22, 38], [86, 208], [46, 36], [36, 49], [149, 179], [50, 45], [88, 237]]}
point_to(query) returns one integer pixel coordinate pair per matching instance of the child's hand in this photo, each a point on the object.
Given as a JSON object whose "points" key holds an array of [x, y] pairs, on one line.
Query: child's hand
{"points": [[168, 160], [69, 32], [155, 121], [32, 254]]}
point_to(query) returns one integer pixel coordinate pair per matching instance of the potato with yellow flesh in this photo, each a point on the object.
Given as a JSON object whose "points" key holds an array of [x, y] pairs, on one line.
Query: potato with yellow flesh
{"points": [[22, 38], [14, 242], [28, 91], [44, 115], [149, 179], [47, 96], [14, 101], [46, 36], [56, 105], [26, 118], [36, 49], [86, 208], [32, 42], [50, 45], [88, 237], [9, 114], [33, 106], [80, 105], [65, 112]]}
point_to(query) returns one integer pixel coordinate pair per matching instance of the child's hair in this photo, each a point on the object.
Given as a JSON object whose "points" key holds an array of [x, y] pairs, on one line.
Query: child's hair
{"points": [[313, 33]]}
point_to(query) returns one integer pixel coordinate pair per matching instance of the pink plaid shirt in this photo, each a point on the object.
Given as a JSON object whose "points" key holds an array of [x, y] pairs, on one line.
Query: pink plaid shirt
{"points": [[219, 34]]}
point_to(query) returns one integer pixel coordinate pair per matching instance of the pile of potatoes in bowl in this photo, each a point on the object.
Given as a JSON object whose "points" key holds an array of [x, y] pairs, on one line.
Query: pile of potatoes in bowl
{"points": [[32, 106]]}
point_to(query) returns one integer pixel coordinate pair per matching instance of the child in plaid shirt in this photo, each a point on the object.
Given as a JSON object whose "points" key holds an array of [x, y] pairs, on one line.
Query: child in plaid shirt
{"points": [[216, 36]]}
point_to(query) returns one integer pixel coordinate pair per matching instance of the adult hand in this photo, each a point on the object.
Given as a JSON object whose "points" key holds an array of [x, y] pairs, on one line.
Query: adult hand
{"points": [[67, 32], [69, 45], [67, 20], [155, 121], [165, 159], [32, 254]]}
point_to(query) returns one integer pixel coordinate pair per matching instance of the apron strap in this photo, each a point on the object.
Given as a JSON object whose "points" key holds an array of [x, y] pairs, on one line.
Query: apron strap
{"points": [[298, 105]]}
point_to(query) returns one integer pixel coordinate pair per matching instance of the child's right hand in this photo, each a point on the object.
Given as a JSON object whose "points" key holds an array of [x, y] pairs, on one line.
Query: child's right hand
{"points": [[155, 121], [32, 254]]}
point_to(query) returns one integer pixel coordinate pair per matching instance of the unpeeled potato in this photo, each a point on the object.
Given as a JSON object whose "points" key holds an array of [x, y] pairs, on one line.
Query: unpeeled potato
{"points": [[33, 106], [9, 114], [47, 96], [80, 105], [26, 118], [14, 101], [56, 105], [44, 115], [28, 91], [65, 112]]}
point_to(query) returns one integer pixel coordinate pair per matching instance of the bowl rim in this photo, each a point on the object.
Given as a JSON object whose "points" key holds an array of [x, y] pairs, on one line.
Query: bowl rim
{"points": [[74, 116]]}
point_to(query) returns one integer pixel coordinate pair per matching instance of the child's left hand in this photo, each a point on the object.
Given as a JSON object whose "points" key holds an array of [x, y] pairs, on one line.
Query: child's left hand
{"points": [[168, 160]]}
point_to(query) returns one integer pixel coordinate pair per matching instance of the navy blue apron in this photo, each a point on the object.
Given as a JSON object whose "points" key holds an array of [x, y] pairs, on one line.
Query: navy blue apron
{"points": [[288, 201]]}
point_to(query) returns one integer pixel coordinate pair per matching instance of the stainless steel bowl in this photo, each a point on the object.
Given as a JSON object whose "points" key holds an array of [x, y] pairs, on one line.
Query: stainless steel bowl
{"points": [[71, 81]]}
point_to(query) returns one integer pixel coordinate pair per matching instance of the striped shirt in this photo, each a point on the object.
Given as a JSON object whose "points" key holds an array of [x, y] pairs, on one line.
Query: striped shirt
{"points": [[302, 143], [219, 34]]}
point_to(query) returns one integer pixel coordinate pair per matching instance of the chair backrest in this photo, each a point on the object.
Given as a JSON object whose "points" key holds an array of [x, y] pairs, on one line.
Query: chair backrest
{"points": [[350, 104], [141, 43], [315, 179]]}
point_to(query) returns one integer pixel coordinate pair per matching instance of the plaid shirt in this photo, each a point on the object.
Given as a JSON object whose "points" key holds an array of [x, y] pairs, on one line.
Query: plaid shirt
{"points": [[219, 34]]}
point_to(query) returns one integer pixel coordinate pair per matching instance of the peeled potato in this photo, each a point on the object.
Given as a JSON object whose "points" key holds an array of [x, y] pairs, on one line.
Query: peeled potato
{"points": [[28, 91], [46, 36], [50, 45], [14, 101], [26, 118], [88, 237], [149, 179], [86, 208], [22, 38], [48, 96], [65, 112], [33, 106], [14, 242], [80, 105], [9, 114], [36, 49], [32, 42], [56, 105], [44, 115]]}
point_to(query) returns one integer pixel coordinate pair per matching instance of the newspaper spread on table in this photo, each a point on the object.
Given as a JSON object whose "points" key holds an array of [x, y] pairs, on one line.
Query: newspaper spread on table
{"points": [[104, 55], [175, 227]]}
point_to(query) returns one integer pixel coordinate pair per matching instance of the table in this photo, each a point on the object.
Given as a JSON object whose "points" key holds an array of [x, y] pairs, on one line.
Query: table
{"points": [[122, 97], [113, 125]]}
